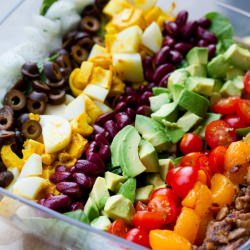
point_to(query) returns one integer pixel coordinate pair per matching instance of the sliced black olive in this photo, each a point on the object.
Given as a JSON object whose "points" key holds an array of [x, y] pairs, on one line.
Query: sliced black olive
{"points": [[90, 24], [40, 86], [15, 99], [57, 97], [98, 40], [30, 70], [20, 84], [91, 10], [38, 96], [31, 129], [56, 85], [22, 119], [19, 138], [6, 178], [65, 65], [52, 71], [6, 118], [36, 107], [6, 137], [86, 43], [68, 40], [79, 54], [80, 35]]}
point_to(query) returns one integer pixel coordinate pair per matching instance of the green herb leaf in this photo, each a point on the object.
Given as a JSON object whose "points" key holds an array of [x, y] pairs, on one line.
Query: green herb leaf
{"points": [[46, 5], [223, 29], [78, 215], [53, 57]]}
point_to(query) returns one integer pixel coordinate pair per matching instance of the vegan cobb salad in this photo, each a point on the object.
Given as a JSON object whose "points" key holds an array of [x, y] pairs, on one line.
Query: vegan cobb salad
{"points": [[134, 121]]}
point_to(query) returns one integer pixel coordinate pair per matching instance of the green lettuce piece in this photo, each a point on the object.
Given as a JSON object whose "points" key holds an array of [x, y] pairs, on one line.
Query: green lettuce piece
{"points": [[46, 5]]}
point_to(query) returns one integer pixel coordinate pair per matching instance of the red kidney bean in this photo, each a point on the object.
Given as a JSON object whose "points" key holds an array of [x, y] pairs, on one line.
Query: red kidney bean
{"points": [[168, 41], [164, 81], [188, 29], [162, 70], [68, 188], [58, 203], [60, 168], [150, 86], [105, 117], [111, 127], [181, 18], [161, 55], [60, 176], [101, 140], [171, 28], [100, 130], [147, 61], [72, 169], [131, 113], [131, 101], [89, 167], [206, 35], [204, 22], [144, 98], [183, 47], [144, 110], [122, 120], [41, 201], [211, 50], [202, 43], [83, 180], [120, 106], [175, 57], [148, 74], [96, 159], [93, 147], [76, 206], [104, 152]]}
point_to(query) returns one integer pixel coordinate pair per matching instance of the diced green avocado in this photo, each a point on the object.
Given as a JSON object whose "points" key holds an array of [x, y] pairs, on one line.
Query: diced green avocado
{"points": [[102, 223], [232, 87], [233, 72], [165, 166], [128, 188], [243, 131], [113, 180], [167, 111], [173, 130], [148, 156], [238, 57], [160, 90], [99, 192], [155, 180], [130, 162], [193, 102], [197, 55], [160, 141], [78, 215], [197, 70], [90, 209], [218, 67], [157, 101], [201, 85], [217, 85], [143, 193], [117, 206], [188, 120], [115, 146]]}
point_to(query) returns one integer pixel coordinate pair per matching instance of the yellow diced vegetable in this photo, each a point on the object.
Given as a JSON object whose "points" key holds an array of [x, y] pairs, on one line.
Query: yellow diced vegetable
{"points": [[115, 6], [101, 77], [75, 82], [81, 125], [77, 146], [144, 4], [117, 86], [31, 147], [35, 117], [104, 62], [98, 50], [86, 70], [92, 109], [48, 159]]}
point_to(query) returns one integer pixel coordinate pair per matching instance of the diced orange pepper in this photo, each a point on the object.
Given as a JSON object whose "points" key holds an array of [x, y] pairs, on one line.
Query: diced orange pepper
{"points": [[202, 177], [222, 190], [168, 240], [92, 109], [187, 224]]}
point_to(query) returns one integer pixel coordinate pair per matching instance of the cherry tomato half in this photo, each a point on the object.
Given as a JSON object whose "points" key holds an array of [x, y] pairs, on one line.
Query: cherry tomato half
{"points": [[167, 192], [216, 159], [138, 236], [191, 142], [235, 121], [119, 228], [170, 175], [219, 133], [226, 106], [140, 206], [246, 81], [243, 110]]}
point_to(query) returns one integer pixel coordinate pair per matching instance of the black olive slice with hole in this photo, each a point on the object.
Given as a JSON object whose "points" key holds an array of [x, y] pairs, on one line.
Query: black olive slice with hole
{"points": [[40, 86], [64, 63], [90, 10], [15, 99], [52, 72], [6, 137], [79, 54], [6, 177], [57, 97], [31, 129], [6, 118], [36, 107], [30, 70], [38, 96], [22, 119], [90, 24], [98, 40], [56, 85], [86, 43]]}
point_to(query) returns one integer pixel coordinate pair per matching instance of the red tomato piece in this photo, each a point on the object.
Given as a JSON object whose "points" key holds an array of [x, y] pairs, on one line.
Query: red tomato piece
{"points": [[216, 159], [226, 106], [170, 175], [191, 142], [138, 236], [148, 220], [119, 228], [246, 81], [219, 133], [243, 110], [164, 205], [235, 121], [167, 192], [191, 159], [140, 206]]}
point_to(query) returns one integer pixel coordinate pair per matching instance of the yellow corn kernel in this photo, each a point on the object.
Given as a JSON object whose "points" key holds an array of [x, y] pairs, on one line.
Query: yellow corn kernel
{"points": [[75, 82], [81, 125], [92, 109], [117, 86], [48, 159], [10, 159], [101, 77], [86, 70], [115, 6], [35, 117], [77, 145]]}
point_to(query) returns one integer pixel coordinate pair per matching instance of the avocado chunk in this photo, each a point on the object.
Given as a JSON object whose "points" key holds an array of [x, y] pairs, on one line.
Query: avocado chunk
{"points": [[101, 223], [197, 55], [99, 192], [117, 206], [173, 130], [218, 67], [197, 70], [130, 162], [90, 209], [155, 180], [160, 90], [233, 72], [217, 86], [201, 85], [115, 145], [157, 101], [143, 193], [238, 57], [113, 180], [193, 102], [167, 111], [232, 87], [188, 120], [148, 156], [165, 166], [128, 188]]}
